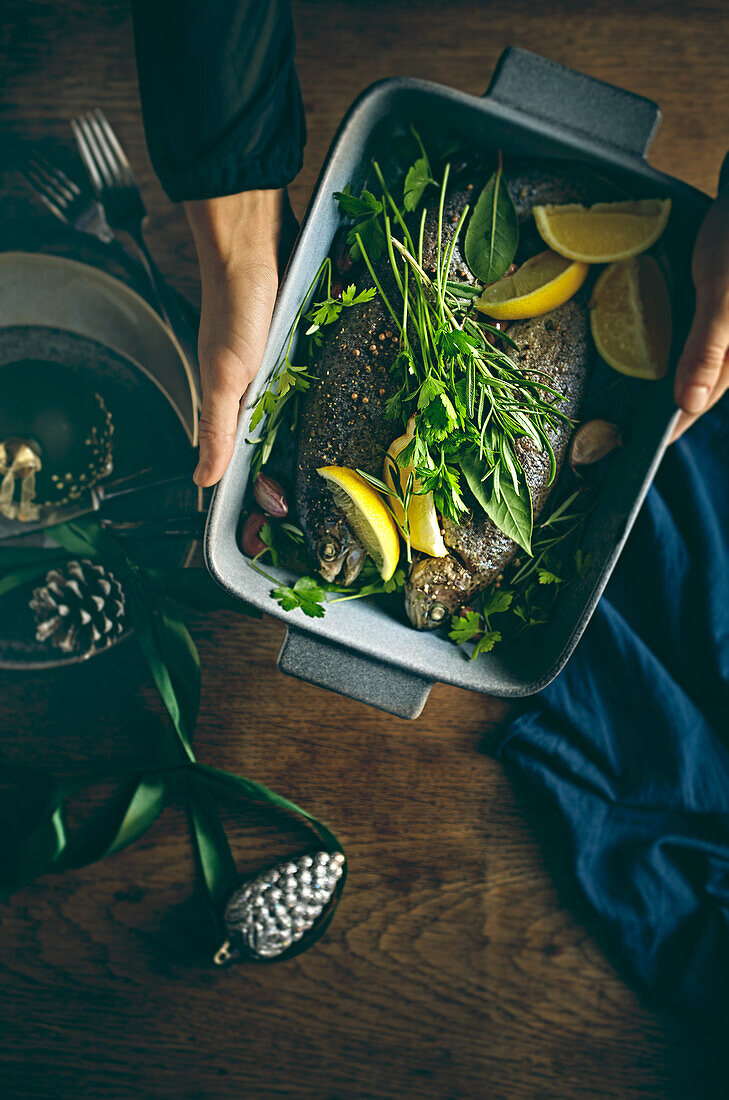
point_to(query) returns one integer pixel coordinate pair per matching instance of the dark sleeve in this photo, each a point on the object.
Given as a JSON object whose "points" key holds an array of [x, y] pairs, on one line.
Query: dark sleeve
{"points": [[220, 97]]}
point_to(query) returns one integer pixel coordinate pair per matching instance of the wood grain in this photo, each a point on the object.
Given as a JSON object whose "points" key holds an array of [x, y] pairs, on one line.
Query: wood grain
{"points": [[455, 968]]}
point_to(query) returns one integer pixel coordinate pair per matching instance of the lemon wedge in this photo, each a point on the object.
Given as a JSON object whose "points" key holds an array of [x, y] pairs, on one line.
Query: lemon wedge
{"points": [[604, 233], [542, 283], [630, 318], [425, 532], [368, 515]]}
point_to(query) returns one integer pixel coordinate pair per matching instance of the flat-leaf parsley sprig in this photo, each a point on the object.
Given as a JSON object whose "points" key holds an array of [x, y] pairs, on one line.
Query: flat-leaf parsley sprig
{"points": [[330, 308], [475, 625], [366, 209], [364, 212], [419, 176], [311, 594]]}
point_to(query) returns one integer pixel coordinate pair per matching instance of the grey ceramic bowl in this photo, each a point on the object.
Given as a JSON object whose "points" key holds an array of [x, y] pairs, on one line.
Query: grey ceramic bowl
{"points": [[533, 108]]}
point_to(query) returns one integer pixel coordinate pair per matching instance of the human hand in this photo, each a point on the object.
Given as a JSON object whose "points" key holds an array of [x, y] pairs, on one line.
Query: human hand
{"points": [[237, 240], [702, 375]]}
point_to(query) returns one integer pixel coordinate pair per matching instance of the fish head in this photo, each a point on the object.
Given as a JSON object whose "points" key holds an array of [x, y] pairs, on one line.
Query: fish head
{"points": [[436, 589], [339, 553]]}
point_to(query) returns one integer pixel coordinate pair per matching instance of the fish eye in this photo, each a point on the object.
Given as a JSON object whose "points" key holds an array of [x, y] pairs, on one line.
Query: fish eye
{"points": [[437, 613], [328, 550]]}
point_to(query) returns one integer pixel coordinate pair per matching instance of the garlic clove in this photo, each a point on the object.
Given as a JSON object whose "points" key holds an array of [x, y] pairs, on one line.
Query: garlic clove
{"points": [[251, 542], [592, 441], [270, 496]]}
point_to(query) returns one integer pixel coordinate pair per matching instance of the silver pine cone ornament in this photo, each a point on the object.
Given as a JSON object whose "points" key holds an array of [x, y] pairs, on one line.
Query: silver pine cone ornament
{"points": [[79, 608], [270, 913]]}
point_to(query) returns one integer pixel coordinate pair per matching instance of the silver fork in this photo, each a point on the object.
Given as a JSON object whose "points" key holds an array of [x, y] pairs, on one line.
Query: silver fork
{"points": [[112, 180], [65, 199]]}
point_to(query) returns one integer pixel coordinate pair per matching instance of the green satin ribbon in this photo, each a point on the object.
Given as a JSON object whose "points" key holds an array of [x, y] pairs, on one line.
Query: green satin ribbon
{"points": [[48, 846], [174, 664]]}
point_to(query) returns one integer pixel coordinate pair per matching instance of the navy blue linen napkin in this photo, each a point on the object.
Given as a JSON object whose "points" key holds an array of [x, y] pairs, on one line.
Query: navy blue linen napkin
{"points": [[627, 752]]}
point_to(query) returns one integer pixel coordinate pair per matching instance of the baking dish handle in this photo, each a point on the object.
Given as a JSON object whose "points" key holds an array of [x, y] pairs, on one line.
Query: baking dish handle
{"points": [[571, 101], [366, 679]]}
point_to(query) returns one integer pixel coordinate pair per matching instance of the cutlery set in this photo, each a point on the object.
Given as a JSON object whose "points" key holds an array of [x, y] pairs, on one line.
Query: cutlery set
{"points": [[112, 210]]}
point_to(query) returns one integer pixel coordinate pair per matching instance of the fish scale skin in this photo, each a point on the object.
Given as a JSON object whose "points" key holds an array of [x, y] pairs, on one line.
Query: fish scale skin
{"points": [[455, 200], [343, 420], [553, 181]]}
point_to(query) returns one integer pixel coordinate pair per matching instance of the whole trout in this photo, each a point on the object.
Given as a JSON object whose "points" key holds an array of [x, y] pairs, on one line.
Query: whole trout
{"points": [[558, 345], [343, 423]]}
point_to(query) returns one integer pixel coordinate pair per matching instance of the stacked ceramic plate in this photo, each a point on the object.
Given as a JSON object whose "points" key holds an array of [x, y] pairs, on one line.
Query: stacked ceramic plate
{"points": [[86, 363]]}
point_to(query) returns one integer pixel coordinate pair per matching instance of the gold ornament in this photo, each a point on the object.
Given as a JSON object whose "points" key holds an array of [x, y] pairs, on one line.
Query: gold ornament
{"points": [[19, 461]]}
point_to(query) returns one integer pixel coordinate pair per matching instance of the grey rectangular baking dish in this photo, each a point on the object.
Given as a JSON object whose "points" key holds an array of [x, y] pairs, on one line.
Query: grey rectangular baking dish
{"points": [[533, 108]]}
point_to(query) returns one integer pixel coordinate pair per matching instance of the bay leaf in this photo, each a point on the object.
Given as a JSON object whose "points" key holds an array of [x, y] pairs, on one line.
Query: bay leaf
{"points": [[509, 510], [493, 231]]}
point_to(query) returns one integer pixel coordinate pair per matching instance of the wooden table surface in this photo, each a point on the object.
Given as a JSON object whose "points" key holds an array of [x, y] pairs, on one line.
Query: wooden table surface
{"points": [[454, 968]]}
